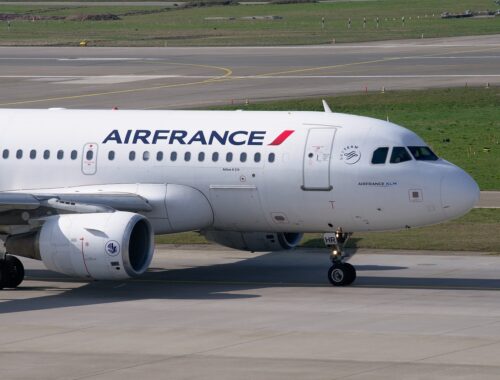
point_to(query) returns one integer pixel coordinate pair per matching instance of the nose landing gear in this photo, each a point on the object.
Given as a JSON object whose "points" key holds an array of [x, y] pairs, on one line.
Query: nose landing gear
{"points": [[340, 273]]}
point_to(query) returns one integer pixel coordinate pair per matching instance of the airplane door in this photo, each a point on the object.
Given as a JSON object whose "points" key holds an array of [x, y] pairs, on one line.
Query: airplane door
{"points": [[317, 155], [89, 159]]}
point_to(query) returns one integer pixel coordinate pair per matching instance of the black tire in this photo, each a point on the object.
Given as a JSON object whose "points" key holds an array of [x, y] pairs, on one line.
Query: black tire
{"points": [[2, 274], [341, 274], [13, 270], [351, 273]]}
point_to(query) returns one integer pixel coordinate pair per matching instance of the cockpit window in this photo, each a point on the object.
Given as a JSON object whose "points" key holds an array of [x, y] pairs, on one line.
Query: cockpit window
{"points": [[399, 154], [422, 153], [380, 155]]}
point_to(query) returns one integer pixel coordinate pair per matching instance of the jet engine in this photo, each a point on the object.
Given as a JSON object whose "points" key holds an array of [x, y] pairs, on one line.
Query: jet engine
{"points": [[255, 241], [102, 246]]}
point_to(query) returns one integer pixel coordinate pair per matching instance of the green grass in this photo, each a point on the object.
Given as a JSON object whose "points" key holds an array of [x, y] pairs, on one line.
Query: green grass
{"points": [[301, 24], [462, 125], [472, 232]]}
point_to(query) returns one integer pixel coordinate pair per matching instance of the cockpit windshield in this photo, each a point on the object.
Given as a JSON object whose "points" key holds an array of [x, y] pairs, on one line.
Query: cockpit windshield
{"points": [[399, 154], [422, 153]]}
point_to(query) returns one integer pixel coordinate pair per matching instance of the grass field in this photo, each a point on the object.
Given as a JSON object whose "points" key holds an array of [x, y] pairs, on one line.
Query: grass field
{"points": [[300, 23], [476, 231]]}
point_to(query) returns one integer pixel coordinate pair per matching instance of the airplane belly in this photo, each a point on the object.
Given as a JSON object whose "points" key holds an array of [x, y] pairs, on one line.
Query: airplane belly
{"points": [[237, 207]]}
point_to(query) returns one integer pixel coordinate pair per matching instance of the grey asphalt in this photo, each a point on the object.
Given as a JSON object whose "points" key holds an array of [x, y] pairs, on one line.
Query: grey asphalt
{"points": [[222, 314], [489, 199], [168, 77]]}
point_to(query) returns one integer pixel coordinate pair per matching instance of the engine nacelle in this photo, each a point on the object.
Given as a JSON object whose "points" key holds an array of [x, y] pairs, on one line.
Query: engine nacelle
{"points": [[255, 241], [103, 246]]}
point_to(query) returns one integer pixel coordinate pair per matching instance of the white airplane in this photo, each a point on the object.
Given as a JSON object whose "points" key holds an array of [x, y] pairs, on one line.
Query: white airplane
{"points": [[85, 191]]}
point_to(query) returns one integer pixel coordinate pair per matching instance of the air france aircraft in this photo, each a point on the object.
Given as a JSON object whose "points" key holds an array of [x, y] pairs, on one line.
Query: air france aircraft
{"points": [[85, 191]]}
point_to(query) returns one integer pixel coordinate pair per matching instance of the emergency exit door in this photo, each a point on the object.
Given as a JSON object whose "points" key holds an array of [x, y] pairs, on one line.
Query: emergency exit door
{"points": [[317, 156], [89, 159]]}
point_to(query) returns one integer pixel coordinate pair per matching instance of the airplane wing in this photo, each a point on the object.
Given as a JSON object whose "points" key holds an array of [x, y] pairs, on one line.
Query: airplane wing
{"points": [[23, 211], [117, 201]]}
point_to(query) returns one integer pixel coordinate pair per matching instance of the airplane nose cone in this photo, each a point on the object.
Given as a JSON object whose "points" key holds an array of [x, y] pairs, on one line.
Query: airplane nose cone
{"points": [[459, 193]]}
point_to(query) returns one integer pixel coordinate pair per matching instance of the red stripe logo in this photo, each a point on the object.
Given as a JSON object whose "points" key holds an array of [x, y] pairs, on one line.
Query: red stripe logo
{"points": [[282, 137]]}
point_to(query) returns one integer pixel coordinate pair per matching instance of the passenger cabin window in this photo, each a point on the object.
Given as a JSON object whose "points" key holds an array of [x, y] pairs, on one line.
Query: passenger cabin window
{"points": [[60, 154], [173, 156], [131, 156], [19, 154], [422, 153], [46, 154], [271, 157], [159, 156], [111, 155], [33, 154], [215, 156], [229, 157], [5, 153], [74, 154], [187, 156], [201, 156], [399, 154], [145, 156], [89, 155], [380, 155], [243, 157], [256, 157]]}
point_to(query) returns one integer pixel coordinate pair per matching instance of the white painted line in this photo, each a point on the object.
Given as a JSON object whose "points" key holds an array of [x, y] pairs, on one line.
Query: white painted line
{"points": [[105, 59], [450, 57], [104, 78], [77, 59]]}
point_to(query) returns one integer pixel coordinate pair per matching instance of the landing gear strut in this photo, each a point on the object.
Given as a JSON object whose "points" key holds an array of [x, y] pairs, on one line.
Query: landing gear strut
{"points": [[11, 272], [340, 273]]}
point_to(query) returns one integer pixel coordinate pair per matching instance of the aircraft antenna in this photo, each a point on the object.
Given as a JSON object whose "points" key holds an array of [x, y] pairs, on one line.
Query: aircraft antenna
{"points": [[326, 107]]}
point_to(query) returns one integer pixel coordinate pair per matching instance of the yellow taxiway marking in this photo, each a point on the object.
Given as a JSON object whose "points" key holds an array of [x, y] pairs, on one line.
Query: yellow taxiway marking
{"points": [[227, 76], [227, 73]]}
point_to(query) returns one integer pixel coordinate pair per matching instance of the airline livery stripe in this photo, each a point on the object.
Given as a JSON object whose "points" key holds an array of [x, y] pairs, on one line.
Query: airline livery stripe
{"points": [[282, 137]]}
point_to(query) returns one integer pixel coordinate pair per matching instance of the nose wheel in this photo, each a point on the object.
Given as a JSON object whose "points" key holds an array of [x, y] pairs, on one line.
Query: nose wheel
{"points": [[11, 272], [340, 273]]}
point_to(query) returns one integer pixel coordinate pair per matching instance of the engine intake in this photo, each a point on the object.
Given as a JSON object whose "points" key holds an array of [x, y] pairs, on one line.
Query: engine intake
{"points": [[103, 246]]}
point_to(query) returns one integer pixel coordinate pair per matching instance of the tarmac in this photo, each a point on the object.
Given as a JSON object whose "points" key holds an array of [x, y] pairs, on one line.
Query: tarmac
{"points": [[205, 312], [195, 77]]}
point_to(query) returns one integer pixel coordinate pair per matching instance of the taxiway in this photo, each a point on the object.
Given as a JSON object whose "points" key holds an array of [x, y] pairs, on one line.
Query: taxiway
{"points": [[205, 312], [159, 78]]}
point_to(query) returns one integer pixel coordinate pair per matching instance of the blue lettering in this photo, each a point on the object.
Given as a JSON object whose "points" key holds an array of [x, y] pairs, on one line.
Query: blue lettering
{"points": [[160, 135], [198, 137], [142, 135], [215, 136], [233, 135], [113, 136], [127, 136], [179, 136], [256, 137]]}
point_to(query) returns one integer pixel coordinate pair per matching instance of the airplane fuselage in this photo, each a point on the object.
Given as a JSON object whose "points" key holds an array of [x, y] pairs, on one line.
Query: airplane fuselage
{"points": [[259, 171]]}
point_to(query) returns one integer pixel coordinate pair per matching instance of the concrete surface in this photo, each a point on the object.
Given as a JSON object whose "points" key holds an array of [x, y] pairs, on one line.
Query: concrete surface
{"points": [[158, 78], [222, 314], [489, 199]]}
